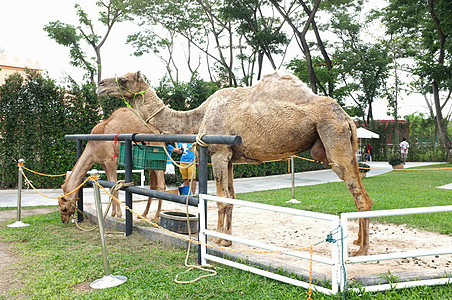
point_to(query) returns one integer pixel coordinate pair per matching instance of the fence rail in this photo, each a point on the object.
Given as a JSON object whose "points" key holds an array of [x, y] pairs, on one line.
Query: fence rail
{"points": [[396, 255], [331, 261]]}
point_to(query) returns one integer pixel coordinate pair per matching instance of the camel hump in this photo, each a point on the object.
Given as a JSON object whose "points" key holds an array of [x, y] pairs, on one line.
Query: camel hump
{"points": [[285, 82], [278, 76]]}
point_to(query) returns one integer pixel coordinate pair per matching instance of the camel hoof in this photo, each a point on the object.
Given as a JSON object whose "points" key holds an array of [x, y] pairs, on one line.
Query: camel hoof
{"points": [[155, 219], [216, 241], [356, 242], [226, 243], [360, 252]]}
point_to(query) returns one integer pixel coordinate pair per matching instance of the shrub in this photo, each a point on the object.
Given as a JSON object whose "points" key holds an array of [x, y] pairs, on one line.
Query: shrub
{"points": [[393, 161], [364, 167]]}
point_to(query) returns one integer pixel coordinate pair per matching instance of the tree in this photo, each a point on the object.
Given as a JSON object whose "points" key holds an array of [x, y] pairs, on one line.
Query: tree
{"points": [[234, 36], [356, 70], [301, 35], [196, 22], [112, 11], [363, 66], [429, 27], [185, 95], [261, 32]]}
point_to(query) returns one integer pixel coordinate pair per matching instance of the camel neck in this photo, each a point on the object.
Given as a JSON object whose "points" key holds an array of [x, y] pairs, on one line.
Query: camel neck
{"points": [[170, 121], [166, 120]]}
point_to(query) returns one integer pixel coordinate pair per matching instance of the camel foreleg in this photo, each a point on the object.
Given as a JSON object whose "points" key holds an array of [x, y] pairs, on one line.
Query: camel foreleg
{"points": [[110, 171], [348, 172], [157, 182], [220, 163], [228, 208]]}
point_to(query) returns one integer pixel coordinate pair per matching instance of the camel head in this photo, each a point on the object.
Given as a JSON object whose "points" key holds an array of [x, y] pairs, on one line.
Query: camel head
{"points": [[67, 204], [126, 86], [67, 209]]}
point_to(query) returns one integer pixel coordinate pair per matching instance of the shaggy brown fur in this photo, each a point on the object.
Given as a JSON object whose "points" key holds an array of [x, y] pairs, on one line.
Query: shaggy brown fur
{"points": [[123, 121], [276, 118]]}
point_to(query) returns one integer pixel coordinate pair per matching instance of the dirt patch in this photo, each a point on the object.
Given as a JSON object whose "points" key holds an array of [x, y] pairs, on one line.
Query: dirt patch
{"points": [[8, 258], [82, 287]]}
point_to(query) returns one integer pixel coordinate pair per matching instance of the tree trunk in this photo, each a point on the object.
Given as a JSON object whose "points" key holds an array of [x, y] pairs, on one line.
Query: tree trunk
{"points": [[302, 38], [321, 46], [442, 128]]}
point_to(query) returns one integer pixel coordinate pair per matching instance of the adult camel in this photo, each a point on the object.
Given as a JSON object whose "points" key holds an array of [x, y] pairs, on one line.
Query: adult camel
{"points": [[106, 153], [276, 118]]}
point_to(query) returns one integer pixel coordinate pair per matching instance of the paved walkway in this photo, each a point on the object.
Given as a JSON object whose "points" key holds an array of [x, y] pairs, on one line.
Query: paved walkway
{"points": [[8, 198]]}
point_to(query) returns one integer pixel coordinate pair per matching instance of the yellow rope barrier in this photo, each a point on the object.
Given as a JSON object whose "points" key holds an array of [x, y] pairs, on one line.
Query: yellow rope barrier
{"points": [[59, 175], [50, 197], [432, 169], [383, 169], [195, 241], [190, 240]]}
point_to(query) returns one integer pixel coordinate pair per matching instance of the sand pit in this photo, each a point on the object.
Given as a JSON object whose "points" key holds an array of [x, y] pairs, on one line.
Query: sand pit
{"points": [[291, 231]]}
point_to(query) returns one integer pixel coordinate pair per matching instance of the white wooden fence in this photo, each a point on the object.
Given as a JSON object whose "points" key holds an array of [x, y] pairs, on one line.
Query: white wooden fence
{"points": [[337, 262]]}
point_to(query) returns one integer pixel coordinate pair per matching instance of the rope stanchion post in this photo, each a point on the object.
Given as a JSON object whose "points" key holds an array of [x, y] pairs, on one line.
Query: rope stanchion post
{"points": [[18, 222], [292, 170], [108, 280]]}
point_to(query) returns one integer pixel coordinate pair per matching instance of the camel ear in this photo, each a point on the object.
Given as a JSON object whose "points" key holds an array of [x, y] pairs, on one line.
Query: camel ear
{"points": [[138, 76]]}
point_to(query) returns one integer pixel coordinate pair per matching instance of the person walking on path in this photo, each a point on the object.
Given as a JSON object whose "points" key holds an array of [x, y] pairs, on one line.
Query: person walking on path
{"points": [[187, 158], [404, 150]]}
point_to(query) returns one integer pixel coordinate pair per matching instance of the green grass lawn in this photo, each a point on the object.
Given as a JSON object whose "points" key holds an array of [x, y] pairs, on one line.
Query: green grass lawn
{"points": [[59, 261]]}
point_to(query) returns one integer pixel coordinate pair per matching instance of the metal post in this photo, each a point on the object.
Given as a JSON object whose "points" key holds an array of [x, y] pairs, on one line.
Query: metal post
{"points": [[18, 222], [292, 170], [128, 178], [203, 176], [80, 191], [108, 280]]}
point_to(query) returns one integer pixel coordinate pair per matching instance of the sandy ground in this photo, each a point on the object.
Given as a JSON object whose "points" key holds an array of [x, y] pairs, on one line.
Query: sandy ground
{"points": [[294, 232]]}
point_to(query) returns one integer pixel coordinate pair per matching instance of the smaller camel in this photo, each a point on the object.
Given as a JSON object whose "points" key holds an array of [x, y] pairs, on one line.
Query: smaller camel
{"points": [[106, 154]]}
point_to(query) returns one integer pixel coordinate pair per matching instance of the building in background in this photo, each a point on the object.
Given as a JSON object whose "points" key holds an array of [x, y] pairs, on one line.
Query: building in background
{"points": [[9, 67]]}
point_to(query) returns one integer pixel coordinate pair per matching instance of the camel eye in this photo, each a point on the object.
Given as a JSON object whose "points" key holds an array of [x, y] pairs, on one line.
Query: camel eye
{"points": [[122, 81]]}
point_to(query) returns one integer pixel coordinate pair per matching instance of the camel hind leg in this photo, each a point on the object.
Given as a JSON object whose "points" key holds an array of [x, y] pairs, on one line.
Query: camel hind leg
{"points": [[339, 141]]}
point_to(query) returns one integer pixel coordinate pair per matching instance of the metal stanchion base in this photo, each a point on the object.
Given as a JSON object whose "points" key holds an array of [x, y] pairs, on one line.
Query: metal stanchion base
{"points": [[18, 224], [293, 201], [108, 282]]}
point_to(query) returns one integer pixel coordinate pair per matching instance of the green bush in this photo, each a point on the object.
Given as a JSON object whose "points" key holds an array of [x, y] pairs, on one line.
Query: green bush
{"points": [[395, 160], [363, 167]]}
